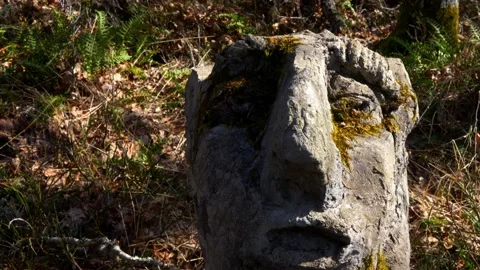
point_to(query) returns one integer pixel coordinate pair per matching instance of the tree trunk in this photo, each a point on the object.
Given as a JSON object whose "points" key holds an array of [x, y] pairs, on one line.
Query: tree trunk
{"points": [[448, 17], [417, 20], [335, 19]]}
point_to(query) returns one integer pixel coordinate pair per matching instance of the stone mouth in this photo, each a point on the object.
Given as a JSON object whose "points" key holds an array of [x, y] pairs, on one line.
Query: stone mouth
{"points": [[320, 248]]}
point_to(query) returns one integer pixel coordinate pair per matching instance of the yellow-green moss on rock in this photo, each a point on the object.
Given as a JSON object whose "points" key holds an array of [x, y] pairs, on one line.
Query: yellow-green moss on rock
{"points": [[406, 95], [390, 123], [379, 264], [349, 123], [406, 92], [281, 44]]}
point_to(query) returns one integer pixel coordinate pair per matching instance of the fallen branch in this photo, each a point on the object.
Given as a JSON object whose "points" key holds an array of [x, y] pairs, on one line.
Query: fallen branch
{"points": [[109, 247]]}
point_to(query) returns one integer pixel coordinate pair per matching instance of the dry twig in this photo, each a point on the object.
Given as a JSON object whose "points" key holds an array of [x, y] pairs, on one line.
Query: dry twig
{"points": [[109, 247]]}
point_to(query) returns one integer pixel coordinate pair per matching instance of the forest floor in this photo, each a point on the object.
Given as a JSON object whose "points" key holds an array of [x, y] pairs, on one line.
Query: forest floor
{"points": [[92, 127]]}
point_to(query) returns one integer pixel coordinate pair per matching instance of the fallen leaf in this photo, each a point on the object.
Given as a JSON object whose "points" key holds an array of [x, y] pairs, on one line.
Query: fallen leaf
{"points": [[117, 77]]}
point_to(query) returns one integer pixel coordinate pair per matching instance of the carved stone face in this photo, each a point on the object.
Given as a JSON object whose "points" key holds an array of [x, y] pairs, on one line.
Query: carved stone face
{"points": [[297, 155]]}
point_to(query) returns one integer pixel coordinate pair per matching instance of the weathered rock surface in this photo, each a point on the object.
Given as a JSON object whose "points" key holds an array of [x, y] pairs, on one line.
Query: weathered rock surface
{"points": [[297, 154]]}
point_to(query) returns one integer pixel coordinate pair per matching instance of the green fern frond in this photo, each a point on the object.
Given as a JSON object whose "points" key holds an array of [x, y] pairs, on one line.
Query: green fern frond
{"points": [[408, 46], [33, 65], [475, 31], [102, 31], [120, 56], [35, 51], [127, 30], [3, 38], [141, 45], [28, 41], [95, 47], [87, 48], [444, 43]]}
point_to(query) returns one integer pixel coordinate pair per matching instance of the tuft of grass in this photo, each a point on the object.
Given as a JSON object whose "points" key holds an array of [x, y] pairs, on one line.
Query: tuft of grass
{"points": [[447, 224]]}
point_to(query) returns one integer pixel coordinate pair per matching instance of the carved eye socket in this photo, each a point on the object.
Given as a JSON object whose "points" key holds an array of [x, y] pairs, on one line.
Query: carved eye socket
{"points": [[243, 102], [360, 105], [356, 103]]}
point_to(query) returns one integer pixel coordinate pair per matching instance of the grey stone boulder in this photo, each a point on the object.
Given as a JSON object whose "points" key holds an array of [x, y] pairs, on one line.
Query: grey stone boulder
{"points": [[296, 146]]}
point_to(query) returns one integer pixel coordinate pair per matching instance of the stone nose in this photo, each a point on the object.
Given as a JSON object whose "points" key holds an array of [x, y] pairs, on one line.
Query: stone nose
{"points": [[301, 157], [302, 142]]}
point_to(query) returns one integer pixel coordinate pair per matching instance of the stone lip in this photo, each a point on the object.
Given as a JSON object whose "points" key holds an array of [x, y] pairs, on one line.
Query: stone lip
{"points": [[297, 238], [312, 244]]}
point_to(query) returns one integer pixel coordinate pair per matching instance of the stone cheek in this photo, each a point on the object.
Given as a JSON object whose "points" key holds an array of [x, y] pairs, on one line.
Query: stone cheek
{"points": [[228, 207]]}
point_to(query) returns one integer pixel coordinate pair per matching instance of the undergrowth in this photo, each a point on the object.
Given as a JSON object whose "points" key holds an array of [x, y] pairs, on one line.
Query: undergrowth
{"points": [[90, 139], [444, 151], [38, 53]]}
